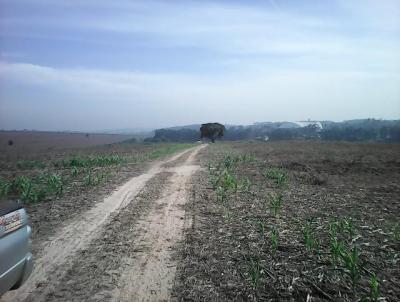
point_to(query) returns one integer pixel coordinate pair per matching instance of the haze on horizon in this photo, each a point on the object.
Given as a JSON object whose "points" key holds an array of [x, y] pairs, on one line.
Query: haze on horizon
{"points": [[97, 64]]}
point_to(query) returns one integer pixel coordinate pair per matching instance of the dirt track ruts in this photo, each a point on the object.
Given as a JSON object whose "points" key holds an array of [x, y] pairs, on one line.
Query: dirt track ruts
{"points": [[159, 230]]}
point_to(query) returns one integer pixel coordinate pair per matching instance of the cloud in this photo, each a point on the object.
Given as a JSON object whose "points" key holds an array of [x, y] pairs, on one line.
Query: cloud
{"points": [[240, 29], [107, 99]]}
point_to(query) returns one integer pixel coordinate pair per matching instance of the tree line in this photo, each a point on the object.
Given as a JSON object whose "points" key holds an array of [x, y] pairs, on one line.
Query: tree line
{"points": [[370, 130]]}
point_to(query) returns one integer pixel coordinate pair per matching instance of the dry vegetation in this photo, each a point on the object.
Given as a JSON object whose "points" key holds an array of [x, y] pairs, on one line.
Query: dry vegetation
{"points": [[293, 221]]}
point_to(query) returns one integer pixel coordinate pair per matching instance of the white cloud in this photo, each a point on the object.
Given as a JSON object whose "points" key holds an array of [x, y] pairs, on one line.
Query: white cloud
{"points": [[110, 99], [229, 28]]}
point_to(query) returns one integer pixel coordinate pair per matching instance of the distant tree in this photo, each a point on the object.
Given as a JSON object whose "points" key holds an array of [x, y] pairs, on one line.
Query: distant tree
{"points": [[238, 133], [170, 135], [212, 131], [10, 142]]}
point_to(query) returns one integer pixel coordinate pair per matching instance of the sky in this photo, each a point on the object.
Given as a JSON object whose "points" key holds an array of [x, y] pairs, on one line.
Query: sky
{"points": [[93, 65]]}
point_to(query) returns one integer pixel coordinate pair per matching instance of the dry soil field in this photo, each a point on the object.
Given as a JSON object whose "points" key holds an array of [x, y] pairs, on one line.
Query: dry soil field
{"points": [[28, 141], [290, 221], [293, 221]]}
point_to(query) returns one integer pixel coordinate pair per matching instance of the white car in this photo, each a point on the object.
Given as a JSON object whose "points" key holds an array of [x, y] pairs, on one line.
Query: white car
{"points": [[15, 246]]}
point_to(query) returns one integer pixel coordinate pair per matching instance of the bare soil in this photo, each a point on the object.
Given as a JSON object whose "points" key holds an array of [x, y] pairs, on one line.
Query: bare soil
{"points": [[225, 250], [41, 141]]}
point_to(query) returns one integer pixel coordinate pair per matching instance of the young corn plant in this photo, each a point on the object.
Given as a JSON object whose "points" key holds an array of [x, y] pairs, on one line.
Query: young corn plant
{"points": [[55, 184], [5, 187], [214, 180], [374, 290], [230, 161], [74, 171], [24, 187], [347, 225], [334, 228], [396, 232], [337, 249], [276, 174], [351, 262], [246, 185], [247, 158], [228, 216], [261, 228], [30, 192], [221, 194], [90, 179], [309, 237], [276, 203], [255, 271], [229, 181], [274, 238]]}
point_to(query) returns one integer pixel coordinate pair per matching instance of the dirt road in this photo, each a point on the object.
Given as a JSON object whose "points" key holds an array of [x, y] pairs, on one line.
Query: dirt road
{"points": [[120, 249]]}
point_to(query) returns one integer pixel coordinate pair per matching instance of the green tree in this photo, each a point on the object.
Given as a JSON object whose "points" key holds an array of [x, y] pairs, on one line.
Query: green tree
{"points": [[212, 131]]}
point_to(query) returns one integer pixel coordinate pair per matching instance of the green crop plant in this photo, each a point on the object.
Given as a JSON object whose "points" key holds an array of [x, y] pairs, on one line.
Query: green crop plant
{"points": [[334, 228], [337, 249], [255, 271], [227, 215], [214, 180], [55, 184], [276, 203], [261, 228], [89, 179], [74, 171], [5, 187], [247, 158], [90, 161], [246, 185], [347, 226], [221, 194], [351, 263], [29, 191], [274, 237], [396, 232], [228, 181], [309, 237], [276, 174], [374, 290], [230, 161]]}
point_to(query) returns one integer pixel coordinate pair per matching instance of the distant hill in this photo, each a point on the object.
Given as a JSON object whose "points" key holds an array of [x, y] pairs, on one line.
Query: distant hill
{"points": [[350, 130]]}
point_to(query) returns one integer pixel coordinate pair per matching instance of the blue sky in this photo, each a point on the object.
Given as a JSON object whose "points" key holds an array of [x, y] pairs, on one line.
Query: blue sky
{"points": [[95, 64]]}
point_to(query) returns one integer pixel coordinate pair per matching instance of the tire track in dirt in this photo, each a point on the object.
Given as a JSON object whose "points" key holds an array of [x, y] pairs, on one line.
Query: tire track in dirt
{"points": [[149, 275], [75, 236], [96, 270]]}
